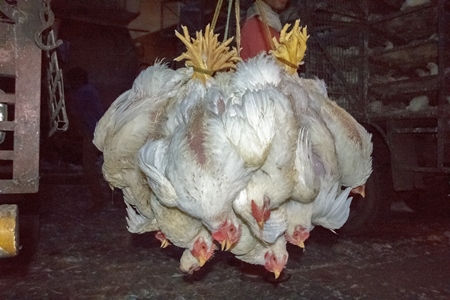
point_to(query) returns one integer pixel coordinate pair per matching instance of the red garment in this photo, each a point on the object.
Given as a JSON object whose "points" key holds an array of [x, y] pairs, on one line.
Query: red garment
{"points": [[254, 38]]}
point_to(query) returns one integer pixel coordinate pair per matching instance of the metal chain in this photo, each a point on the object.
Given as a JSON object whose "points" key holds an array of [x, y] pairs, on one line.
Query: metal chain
{"points": [[55, 85]]}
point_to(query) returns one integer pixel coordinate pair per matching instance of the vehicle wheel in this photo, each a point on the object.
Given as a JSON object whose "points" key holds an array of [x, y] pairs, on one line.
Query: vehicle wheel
{"points": [[379, 190], [435, 199]]}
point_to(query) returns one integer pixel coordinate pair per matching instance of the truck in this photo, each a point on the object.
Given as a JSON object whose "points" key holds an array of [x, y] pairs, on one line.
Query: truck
{"points": [[388, 65], [27, 43], [34, 122]]}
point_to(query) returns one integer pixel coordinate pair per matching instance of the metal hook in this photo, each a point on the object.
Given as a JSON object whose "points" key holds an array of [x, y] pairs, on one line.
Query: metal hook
{"points": [[46, 23]]}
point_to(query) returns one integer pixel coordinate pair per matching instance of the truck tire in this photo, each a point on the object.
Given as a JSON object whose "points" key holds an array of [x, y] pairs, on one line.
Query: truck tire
{"points": [[434, 199]]}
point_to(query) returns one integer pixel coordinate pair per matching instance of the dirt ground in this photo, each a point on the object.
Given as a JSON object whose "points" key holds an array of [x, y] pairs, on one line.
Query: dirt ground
{"points": [[91, 255]]}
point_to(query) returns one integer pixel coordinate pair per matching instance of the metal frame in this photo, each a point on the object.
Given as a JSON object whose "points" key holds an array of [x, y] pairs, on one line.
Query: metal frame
{"points": [[400, 130], [22, 60]]}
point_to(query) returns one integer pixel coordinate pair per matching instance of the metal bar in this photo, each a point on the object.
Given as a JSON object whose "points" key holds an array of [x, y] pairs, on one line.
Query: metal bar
{"points": [[14, 186], [7, 59], [416, 130], [164, 5], [6, 155], [7, 98], [9, 11], [365, 67], [25, 173], [402, 13], [106, 23], [425, 169], [442, 49], [7, 125]]}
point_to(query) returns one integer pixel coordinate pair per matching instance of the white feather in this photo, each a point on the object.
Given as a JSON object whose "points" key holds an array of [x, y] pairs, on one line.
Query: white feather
{"points": [[331, 209], [418, 103], [137, 223], [412, 3], [152, 161], [434, 69]]}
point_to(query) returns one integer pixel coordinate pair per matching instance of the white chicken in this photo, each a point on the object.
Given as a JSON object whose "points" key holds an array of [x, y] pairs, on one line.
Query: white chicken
{"points": [[330, 210], [307, 182], [174, 226], [132, 119], [188, 263], [137, 223], [320, 158], [252, 159], [316, 152], [326, 132], [272, 184], [183, 231], [249, 248], [273, 257], [352, 141], [315, 144], [203, 179]]}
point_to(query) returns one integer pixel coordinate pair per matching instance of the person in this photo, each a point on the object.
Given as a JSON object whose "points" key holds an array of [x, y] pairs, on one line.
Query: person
{"points": [[86, 108], [254, 34]]}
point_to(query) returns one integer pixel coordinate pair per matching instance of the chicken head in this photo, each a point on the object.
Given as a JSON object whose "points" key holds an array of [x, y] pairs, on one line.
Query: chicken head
{"points": [[298, 236], [228, 234], [162, 238], [274, 263], [261, 214], [201, 251], [188, 263]]}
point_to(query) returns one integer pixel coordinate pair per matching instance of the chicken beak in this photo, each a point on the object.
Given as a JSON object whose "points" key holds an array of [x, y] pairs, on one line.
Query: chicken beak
{"points": [[301, 244], [277, 273], [202, 260], [226, 245], [223, 245], [261, 224], [165, 243], [361, 190]]}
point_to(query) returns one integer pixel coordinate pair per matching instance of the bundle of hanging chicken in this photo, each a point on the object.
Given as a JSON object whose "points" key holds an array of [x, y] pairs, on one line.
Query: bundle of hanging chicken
{"points": [[245, 156]]}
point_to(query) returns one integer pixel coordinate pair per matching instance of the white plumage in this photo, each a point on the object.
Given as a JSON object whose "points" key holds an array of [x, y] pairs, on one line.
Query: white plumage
{"points": [[272, 183], [433, 68], [250, 159], [133, 118], [137, 223], [352, 142], [412, 3], [330, 210], [418, 103]]}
